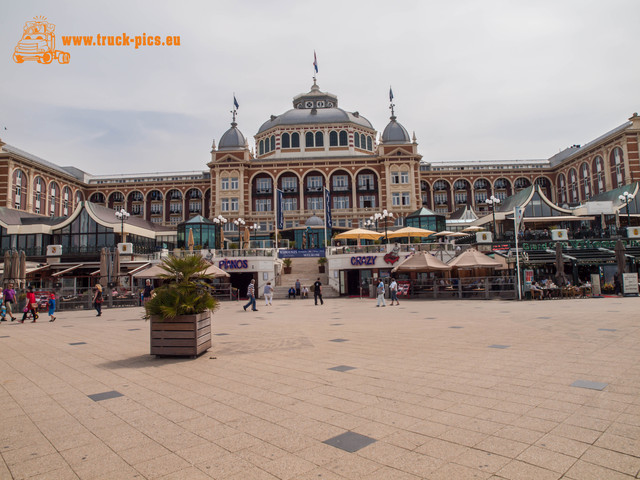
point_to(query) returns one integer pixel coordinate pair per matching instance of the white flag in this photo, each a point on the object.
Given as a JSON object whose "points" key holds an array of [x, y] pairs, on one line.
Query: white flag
{"points": [[518, 216]]}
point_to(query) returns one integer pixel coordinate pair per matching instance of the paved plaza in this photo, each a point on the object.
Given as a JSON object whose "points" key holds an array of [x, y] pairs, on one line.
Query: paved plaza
{"points": [[425, 390]]}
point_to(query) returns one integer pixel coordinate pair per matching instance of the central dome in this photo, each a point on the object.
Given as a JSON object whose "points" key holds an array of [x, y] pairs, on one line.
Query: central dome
{"points": [[315, 108]]}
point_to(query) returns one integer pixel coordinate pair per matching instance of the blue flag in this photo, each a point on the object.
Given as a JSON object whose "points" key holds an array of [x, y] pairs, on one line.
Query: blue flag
{"points": [[315, 61], [235, 102], [327, 208], [279, 211], [390, 95]]}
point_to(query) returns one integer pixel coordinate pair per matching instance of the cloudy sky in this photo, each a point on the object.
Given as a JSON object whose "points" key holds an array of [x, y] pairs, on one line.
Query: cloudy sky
{"points": [[491, 79]]}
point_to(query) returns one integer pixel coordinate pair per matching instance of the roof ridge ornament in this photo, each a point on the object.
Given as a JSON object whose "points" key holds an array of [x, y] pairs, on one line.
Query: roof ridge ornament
{"points": [[391, 104]]}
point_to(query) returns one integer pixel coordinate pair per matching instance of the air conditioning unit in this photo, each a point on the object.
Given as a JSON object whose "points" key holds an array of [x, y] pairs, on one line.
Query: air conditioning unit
{"points": [[54, 250], [633, 232], [126, 248], [559, 234], [484, 237]]}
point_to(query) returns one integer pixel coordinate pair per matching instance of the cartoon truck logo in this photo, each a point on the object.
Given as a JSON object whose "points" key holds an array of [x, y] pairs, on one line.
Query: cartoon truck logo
{"points": [[38, 43]]}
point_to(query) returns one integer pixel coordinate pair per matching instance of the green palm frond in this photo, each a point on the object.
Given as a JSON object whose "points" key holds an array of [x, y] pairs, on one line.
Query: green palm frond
{"points": [[187, 291]]}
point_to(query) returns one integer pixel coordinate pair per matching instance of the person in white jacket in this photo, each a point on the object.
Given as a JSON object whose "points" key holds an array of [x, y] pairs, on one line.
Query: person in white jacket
{"points": [[380, 294], [268, 294]]}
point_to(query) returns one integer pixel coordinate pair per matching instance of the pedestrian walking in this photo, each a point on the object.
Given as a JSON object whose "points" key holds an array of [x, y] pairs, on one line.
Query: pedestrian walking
{"points": [[317, 292], [52, 307], [268, 294], [9, 295], [393, 290], [97, 299], [251, 293], [380, 294], [147, 292], [298, 287], [30, 306]]}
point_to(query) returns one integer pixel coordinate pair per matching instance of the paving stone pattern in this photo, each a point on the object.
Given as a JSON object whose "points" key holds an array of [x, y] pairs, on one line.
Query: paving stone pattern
{"points": [[410, 398]]}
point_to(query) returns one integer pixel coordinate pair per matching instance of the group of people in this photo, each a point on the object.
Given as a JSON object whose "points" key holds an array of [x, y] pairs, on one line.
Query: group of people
{"points": [[9, 302], [297, 290], [380, 291]]}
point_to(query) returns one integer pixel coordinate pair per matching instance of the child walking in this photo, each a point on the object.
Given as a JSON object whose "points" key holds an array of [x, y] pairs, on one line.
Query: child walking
{"points": [[52, 307]]}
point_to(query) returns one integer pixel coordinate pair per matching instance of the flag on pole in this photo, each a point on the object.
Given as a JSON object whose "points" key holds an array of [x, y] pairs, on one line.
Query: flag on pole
{"points": [[518, 217], [315, 61], [279, 211], [235, 102], [327, 209], [390, 95]]}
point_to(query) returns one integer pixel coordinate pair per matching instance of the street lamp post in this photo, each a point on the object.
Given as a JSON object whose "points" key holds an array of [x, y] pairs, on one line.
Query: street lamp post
{"points": [[122, 215], [384, 216], [626, 198], [255, 227], [220, 221], [240, 224], [493, 202]]}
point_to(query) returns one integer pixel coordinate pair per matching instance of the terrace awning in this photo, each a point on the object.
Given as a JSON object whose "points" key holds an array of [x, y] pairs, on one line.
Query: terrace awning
{"points": [[67, 270]]}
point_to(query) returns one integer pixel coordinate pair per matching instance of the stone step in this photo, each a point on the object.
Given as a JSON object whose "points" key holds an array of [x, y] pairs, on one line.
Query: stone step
{"points": [[283, 292]]}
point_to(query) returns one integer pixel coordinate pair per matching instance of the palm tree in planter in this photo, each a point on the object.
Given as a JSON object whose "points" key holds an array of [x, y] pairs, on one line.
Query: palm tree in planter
{"points": [[180, 310], [321, 263], [287, 265]]}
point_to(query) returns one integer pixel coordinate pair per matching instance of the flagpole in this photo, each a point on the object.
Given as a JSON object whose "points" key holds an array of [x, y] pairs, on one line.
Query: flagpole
{"points": [[275, 209], [325, 220], [516, 230]]}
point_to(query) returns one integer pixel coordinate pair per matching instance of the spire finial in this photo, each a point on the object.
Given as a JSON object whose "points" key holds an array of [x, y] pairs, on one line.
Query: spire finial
{"points": [[234, 112], [391, 104]]}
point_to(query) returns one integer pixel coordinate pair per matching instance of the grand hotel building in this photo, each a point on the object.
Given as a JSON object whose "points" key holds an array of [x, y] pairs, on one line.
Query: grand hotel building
{"points": [[314, 144]]}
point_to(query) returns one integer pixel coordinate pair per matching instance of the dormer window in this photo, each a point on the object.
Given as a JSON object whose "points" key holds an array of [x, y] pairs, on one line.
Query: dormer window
{"points": [[309, 104], [320, 104]]}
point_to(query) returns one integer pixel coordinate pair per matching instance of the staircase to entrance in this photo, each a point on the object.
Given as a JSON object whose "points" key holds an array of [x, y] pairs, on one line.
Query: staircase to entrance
{"points": [[304, 269]]}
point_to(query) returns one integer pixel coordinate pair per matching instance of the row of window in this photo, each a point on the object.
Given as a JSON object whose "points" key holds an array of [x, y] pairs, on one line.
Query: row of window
{"points": [[315, 140]]}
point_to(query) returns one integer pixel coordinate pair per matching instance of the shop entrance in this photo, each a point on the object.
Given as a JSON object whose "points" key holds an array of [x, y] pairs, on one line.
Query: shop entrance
{"points": [[241, 280], [354, 279]]}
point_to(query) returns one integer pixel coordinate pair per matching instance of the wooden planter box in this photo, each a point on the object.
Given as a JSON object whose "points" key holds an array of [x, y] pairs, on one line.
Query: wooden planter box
{"points": [[185, 336]]}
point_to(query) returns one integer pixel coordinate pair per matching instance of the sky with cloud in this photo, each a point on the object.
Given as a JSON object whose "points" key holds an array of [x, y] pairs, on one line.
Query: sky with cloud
{"points": [[496, 79]]}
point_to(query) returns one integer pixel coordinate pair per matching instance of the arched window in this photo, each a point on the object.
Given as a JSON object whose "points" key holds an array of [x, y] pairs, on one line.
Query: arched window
{"points": [[573, 185], [261, 147], [617, 167], [308, 139], [39, 196], [20, 182], [344, 138], [273, 142], [562, 189], [66, 201], [285, 140], [356, 140], [333, 139], [295, 140], [598, 172], [363, 141], [319, 139], [54, 199], [369, 143]]}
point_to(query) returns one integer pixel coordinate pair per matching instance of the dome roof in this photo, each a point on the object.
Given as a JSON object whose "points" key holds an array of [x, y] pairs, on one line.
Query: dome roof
{"points": [[315, 116], [395, 133], [233, 139], [315, 107], [314, 221]]}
